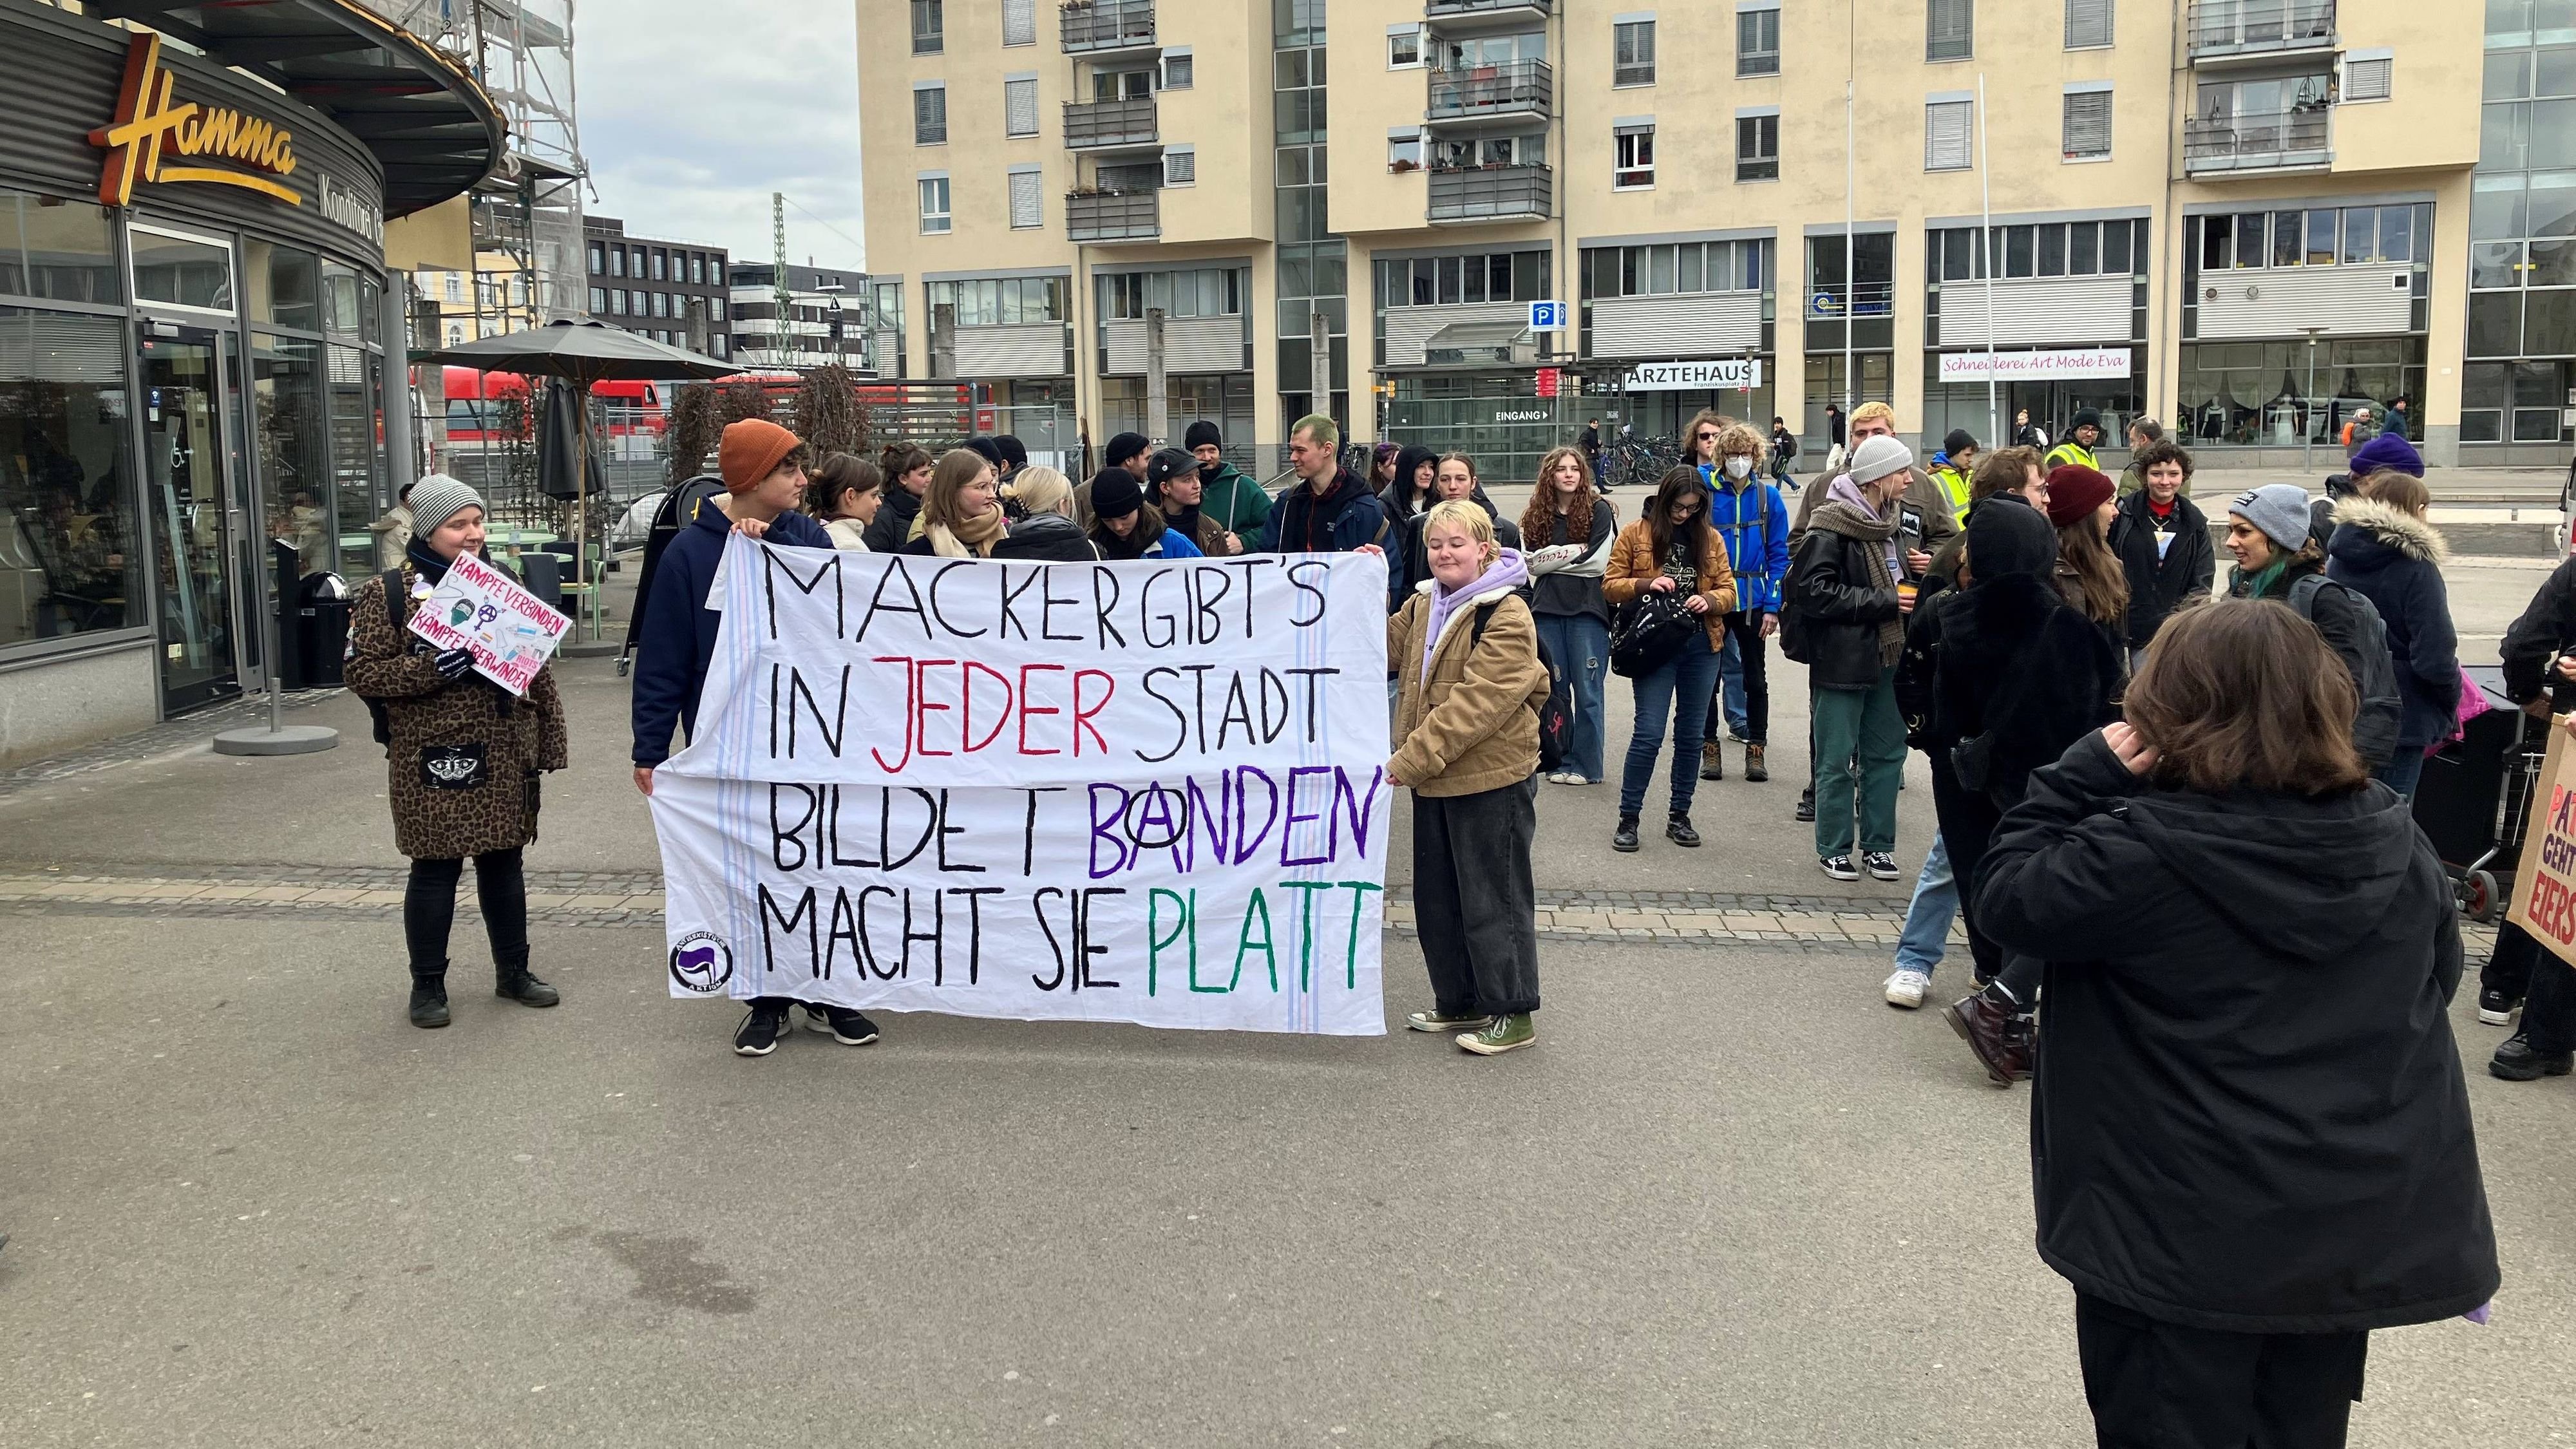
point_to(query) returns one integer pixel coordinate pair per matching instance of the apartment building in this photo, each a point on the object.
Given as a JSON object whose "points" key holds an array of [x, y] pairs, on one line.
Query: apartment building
{"points": [[827, 318], [652, 287], [2244, 217]]}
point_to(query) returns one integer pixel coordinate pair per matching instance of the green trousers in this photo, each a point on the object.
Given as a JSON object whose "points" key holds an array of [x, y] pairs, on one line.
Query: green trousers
{"points": [[1860, 750]]}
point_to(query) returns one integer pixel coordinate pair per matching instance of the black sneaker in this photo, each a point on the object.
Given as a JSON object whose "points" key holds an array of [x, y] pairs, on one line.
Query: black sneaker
{"points": [[1880, 864], [844, 1025], [1679, 831], [1807, 807], [1838, 866], [2515, 1061], [2495, 1008], [759, 1032], [1624, 839]]}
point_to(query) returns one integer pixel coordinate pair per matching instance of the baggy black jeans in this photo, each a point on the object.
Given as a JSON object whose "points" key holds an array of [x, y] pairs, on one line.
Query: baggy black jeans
{"points": [[2154, 1385], [2545, 985], [429, 909], [1474, 903]]}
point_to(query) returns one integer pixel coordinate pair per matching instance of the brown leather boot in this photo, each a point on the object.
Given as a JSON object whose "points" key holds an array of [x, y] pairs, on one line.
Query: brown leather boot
{"points": [[1712, 760], [2001, 1040], [1754, 769]]}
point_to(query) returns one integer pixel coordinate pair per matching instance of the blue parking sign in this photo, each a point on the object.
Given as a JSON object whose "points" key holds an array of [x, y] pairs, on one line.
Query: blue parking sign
{"points": [[1547, 316]]}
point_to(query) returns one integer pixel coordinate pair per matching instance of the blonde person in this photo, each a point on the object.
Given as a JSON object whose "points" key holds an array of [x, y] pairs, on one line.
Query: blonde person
{"points": [[961, 514], [1470, 686], [844, 495], [1568, 529], [1046, 530]]}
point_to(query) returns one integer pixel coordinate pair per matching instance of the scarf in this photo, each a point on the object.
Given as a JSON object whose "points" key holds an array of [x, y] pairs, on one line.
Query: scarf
{"points": [[1847, 514], [424, 560], [1505, 572], [967, 538], [2258, 584]]}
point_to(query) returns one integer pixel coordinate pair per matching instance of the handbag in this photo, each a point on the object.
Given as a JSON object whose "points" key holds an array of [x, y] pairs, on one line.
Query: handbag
{"points": [[1651, 629]]}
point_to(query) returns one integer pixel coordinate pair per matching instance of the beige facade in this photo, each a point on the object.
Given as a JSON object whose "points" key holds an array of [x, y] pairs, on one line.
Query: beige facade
{"points": [[2282, 185]]}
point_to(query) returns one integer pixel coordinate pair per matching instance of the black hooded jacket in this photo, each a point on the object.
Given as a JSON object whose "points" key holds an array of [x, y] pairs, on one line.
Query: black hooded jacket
{"points": [[1416, 560], [2159, 583], [891, 529], [2249, 1111]]}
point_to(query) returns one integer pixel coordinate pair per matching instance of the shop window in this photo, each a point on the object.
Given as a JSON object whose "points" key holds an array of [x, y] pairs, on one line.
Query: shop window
{"points": [[182, 271], [286, 285], [290, 419], [72, 547]]}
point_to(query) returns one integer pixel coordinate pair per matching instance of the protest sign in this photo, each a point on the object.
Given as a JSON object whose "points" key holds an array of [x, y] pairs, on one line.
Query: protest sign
{"points": [[2544, 886], [1150, 792], [476, 607]]}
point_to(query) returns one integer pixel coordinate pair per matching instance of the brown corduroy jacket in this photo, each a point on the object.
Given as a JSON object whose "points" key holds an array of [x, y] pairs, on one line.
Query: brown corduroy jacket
{"points": [[1472, 725]]}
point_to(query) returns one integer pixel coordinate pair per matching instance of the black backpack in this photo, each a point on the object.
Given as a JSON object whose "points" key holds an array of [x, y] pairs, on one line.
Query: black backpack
{"points": [[1556, 717], [376, 716], [2375, 726]]}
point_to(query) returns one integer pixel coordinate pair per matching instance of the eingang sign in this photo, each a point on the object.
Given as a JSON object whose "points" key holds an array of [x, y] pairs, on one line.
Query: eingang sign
{"points": [[1716, 373], [148, 130]]}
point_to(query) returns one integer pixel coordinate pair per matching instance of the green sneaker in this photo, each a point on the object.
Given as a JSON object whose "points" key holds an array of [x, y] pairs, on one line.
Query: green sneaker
{"points": [[1502, 1034], [1434, 1020]]}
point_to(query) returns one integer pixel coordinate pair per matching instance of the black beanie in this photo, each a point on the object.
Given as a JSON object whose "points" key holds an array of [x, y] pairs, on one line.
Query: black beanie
{"points": [[2086, 418], [1013, 451], [2006, 541], [1959, 441], [1123, 447], [1115, 494], [1202, 434], [983, 447]]}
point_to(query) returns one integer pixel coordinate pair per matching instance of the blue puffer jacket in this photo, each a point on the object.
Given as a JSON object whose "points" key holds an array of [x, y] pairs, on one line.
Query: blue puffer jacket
{"points": [[679, 633], [1755, 524], [2394, 559]]}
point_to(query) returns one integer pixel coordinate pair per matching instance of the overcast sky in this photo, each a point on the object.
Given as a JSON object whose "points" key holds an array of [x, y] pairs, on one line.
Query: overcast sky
{"points": [[693, 111]]}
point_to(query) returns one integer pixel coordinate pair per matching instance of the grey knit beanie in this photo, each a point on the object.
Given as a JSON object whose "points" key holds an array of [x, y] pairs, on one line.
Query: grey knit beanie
{"points": [[437, 498], [2279, 509]]}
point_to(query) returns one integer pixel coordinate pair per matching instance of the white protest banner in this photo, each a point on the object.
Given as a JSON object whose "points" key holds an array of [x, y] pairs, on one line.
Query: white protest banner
{"points": [[511, 632], [1147, 792]]}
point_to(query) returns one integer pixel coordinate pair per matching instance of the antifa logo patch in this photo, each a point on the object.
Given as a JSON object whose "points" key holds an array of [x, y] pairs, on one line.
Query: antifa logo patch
{"points": [[702, 963], [451, 767]]}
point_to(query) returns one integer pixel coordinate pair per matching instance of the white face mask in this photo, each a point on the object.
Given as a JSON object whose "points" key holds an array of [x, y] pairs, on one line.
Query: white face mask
{"points": [[1739, 467]]}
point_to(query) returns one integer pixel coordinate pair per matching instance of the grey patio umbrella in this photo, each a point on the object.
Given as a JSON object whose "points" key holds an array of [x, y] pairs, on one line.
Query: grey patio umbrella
{"points": [[581, 353]]}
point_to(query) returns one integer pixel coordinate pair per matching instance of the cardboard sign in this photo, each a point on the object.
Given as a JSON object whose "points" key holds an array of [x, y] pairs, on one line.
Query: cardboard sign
{"points": [[2544, 886], [1149, 792], [511, 632]]}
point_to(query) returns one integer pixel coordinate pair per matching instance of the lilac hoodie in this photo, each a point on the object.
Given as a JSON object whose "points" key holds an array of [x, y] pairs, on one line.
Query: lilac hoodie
{"points": [[1505, 572]]}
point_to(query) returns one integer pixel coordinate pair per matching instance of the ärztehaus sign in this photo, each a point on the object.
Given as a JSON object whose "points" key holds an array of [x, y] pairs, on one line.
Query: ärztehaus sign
{"points": [[154, 139]]}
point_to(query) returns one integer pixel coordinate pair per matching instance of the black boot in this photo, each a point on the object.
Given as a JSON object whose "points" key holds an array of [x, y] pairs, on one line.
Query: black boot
{"points": [[429, 996], [1625, 837], [1678, 829], [511, 979]]}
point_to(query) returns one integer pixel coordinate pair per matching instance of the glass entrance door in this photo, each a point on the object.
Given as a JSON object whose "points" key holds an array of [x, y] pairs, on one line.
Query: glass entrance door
{"points": [[193, 519]]}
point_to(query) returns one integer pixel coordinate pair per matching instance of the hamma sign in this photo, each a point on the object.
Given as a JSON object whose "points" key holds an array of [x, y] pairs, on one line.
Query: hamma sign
{"points": [[1711, 374], [2035, 366]]}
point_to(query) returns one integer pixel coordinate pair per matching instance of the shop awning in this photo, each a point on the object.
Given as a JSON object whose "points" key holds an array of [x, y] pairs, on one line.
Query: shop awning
{"points": [[422, 115], [1477, 344]]}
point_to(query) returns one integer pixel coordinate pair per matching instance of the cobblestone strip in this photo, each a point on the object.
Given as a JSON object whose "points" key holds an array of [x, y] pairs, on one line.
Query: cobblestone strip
{"points": [[634, 900]]}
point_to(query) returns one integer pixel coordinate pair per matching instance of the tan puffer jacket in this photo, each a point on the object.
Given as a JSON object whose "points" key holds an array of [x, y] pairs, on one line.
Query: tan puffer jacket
{"points": [[1473, 725]]}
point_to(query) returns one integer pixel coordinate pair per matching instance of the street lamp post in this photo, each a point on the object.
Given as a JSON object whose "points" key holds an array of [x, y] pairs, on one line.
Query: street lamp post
{"points": [[2308, 404]]}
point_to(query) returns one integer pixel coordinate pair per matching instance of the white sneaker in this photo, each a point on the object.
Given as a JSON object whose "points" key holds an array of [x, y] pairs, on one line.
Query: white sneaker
{"points": [[1905, 988]]}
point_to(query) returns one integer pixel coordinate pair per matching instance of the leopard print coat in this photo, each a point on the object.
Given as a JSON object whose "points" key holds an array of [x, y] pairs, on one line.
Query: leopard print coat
{"points": [[463, 756]]}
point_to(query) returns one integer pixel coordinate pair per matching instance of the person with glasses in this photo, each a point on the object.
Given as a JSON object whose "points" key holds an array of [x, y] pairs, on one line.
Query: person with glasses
{"points": [[1671, 549]]}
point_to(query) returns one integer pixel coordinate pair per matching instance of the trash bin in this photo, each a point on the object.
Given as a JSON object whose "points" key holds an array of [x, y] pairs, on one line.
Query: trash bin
{"points": [[543, 572], [321, 641]]}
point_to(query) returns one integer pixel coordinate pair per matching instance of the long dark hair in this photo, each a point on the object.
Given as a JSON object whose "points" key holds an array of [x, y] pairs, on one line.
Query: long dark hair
{"points": [[2105, 583], [835, 476], [2243, 692], [1678, 483]]}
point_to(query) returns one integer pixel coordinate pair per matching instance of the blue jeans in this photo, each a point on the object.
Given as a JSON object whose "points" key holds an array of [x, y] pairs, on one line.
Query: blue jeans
{"points": [[1927, 920], [1579, 646], [1730, 688], [1675, 696], [2401, 773]]}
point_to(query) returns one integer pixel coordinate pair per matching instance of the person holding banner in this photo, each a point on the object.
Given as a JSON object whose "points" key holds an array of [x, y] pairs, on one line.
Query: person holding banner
{"points": [[764, 473], [2539, 657], [961, 515], [463, 756], [2251, 1141], [1471, 684]]}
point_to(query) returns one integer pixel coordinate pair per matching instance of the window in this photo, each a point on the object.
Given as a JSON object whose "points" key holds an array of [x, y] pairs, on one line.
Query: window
{"points": [[599, 301], [2088, 24], [1950, 30], [1403, 150], [1199, 292], [1403, 47], [716, 308], [1757, 147], [1028, 205], [2088, 123], [1180, 166], [1949, 135], [661, 260], [1485, 277], [930, 113], [661, 304], [1632, 53], [1177, 68], [598, 260], [934, 205], [641, 306], [616, 263], [2367, 75], [1717, 266], [697, 269], [929, 27], [1757, 39], [1001, 301], [1633, 156], [1019, 22], [1020, 105], [617, 302]]}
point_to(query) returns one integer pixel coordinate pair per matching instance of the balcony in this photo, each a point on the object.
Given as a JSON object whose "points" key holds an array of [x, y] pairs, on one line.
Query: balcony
{"points": [[1490, 193], [2296, 139], [1101, 125], [1470, 17], [1102, 216], [1515, 90], [1094, 27], [2225, 31]]}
